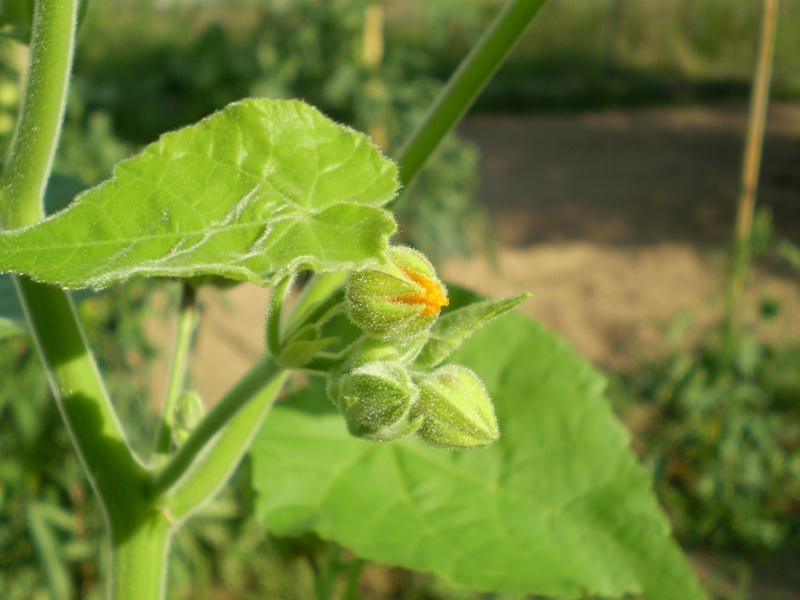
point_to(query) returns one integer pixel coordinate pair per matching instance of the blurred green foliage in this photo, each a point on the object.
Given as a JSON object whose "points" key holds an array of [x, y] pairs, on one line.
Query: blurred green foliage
{"points": [[723, 437], [723, 426]]}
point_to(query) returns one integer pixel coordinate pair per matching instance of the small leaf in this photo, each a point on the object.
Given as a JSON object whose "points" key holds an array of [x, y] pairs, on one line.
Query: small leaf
{"points": [[257, 191], [453, 327], [557, 506], [303, 347]]}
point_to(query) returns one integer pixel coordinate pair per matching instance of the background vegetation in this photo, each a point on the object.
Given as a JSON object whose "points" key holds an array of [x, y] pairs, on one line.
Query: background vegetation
{"points": [[722, 430]]}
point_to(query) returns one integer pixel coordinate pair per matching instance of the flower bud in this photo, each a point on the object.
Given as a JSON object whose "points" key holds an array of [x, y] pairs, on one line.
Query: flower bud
{"points": [[396, 300], [456, 410], [376, 400]]}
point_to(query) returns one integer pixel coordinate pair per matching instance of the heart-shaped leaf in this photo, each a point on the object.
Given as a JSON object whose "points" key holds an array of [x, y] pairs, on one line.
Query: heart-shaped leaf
{"points": [[558, 506]]}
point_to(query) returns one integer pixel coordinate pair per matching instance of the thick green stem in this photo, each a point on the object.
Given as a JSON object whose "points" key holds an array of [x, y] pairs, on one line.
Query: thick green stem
{"points": [[98, 436], [114, 471], [117, 476], [27, 168], [139, 558], [464, 86]]}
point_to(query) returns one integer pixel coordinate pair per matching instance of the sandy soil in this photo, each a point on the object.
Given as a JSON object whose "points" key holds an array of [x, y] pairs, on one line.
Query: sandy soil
{"points": [[616, 221]]}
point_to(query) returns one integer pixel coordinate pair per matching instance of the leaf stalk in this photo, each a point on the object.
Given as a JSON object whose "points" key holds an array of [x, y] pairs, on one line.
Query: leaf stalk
{"points": [[464, 86]]}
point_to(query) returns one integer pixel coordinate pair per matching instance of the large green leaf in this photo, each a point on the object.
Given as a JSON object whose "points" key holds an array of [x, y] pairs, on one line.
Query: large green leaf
{"points": [[260, 189], [559, 506]]}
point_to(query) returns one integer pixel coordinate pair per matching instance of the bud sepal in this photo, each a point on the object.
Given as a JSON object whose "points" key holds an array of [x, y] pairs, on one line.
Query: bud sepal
{"points": [[454, 327]]}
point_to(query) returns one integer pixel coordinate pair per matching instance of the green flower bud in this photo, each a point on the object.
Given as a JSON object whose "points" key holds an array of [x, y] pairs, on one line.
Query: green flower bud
{"points": [[456, 410], [376, 400], [396, 300]]}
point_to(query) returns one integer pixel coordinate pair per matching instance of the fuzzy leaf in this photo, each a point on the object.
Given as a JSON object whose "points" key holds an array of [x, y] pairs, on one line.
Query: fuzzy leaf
{"points": [[256, 191], [557, 506], [455, 326]]}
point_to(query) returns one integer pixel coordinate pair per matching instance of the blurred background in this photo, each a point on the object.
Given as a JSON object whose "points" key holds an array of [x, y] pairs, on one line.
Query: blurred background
{"points": [[600, 170]]}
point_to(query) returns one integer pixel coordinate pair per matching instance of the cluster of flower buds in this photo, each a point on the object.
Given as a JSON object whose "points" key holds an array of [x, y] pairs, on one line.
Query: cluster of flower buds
{"points": [[381, 389]]}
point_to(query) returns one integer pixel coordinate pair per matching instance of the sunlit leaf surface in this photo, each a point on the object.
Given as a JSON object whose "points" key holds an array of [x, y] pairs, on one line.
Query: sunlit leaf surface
{"points": [[559, 506], [260, 189]]}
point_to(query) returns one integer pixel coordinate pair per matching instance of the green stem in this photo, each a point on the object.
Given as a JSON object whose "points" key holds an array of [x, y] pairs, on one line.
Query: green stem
{"points": [[260, 375], [215, 468], [325, 574], [321, 314], [465, 84], [187, 320], [27, 168], [193, 476], [113, 469], [319, 295], [139, 558], [353, 577], [115, 473]]}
